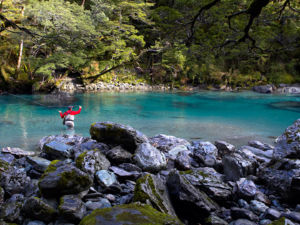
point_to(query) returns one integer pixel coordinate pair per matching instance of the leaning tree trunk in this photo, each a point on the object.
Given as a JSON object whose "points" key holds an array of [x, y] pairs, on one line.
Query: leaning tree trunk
{"points": [[20, 48]]}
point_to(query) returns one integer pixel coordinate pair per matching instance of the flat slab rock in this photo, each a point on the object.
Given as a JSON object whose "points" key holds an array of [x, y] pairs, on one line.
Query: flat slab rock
{"points": [[17, 151]]}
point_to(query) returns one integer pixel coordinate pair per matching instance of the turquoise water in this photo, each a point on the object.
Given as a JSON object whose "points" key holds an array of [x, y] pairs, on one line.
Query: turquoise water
{"points": [[234, 117]]}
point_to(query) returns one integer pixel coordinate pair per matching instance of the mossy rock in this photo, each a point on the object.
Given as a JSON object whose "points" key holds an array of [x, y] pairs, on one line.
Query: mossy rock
{"points": [[117, 134], [152, 189], [138, 214], [280, 221]]}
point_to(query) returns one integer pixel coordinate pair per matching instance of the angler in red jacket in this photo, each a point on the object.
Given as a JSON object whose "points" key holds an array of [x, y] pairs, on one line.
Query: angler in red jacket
{"points": [[69, 116]]}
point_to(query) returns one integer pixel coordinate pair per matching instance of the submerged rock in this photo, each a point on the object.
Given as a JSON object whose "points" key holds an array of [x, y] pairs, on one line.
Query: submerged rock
{"points": [[134, 214], [149, 158], [117, 134], [60, 179], [150, 188]]}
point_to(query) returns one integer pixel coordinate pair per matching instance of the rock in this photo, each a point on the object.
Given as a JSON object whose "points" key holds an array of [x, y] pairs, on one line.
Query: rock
{"points": [[260, 145], [150, 188], [224, 148], [7, 157], [72, 208], [35, 222], [89, 145], [238, 213], [183, 160], [71, 140], [294, 216], [165, 143], [100, 204], [242, 222], [105, 178], [260, 155], [134, 214], [92, 161], [117, 134], [57, 150], [110, 197], [209, 181], [258, 207], [35, 208], [259, 196], [265, 89], [272, 214], [288, 144], [126, 199], [243, 204], [118, 155], [123, 174], [130, 167], [38, 163], [297, 209], [238, 165], [149, 158], [17, 151], [173, 153], [11, 209], [62, 179], [246, 188], [282, 221], [1, 195], [205, 152], [291, 90], [189, 203], [214, 220], [265, 222]]}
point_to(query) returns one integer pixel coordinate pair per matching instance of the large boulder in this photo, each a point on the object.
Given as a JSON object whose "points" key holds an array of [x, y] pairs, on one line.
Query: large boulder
{"points": [[36, 208], [92, 161], [149, 158], [288, 144], [166, 143], [237, 165], [62, 179], [151, 188], [117, 134], [57, 150], [189, 203], [265, 89], [134, 214]]}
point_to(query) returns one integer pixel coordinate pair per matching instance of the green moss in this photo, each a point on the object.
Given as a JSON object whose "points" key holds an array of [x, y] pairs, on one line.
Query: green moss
{"points": [[185, 172], [154, 191], [281, 221], [139, 194], [91, 219], [128, 216], [3, 165], [80, 159], [52, 167], [67, 176]]}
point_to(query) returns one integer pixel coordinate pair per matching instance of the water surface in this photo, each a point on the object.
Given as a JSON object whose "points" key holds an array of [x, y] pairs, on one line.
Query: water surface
{"points": [[233, 117]]}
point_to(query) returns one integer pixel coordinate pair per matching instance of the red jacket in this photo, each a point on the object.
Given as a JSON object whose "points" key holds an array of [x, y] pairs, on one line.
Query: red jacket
{"points": [[70, 112]]}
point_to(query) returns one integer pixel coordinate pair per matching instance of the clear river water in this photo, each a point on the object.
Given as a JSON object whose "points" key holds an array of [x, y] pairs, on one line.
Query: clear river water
{"points": [[233, 117]]}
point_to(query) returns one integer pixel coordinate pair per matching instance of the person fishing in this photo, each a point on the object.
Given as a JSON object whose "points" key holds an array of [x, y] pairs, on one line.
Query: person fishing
{"points": [[68, 116]]}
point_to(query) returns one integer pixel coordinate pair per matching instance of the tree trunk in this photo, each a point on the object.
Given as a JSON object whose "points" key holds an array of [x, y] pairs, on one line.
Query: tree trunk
{"points": [[82, 3], [21, 47]]}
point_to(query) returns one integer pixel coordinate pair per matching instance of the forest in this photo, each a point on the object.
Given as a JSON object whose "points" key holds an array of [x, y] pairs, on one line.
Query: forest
{"points": [[238, 43]]}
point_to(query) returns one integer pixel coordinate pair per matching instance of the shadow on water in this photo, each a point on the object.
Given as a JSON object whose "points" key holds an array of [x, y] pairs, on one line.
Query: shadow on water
{"points": [[293, 106], [6, 122]]}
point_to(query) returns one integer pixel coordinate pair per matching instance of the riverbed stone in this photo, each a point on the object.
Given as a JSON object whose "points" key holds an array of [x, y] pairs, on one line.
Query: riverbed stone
{"points": [[130, 167], [62, 179], [151, 188], [258, 207], [265, 89], [294, 216], [99, 204], [7, 157], [92, 161], [237, 165], [272, 214], [11, 209], [246, 188], [57, 150], [173, 153], [38, 163], [239, 213], [117, 134], [125, 175], [71, 140], [17, 152], [189, 203], [183, 160], [71, 208], [205, 152], [149, 158], [36, 208], [87, 145], [288, 144], [260, 145], [106, 178], [215, 220], [242, 222], [134, 214], [118, 155], [224, 148], [165, 142]]}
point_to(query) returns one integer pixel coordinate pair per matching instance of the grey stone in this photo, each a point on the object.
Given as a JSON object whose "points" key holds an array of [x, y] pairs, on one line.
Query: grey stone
{"points": [[118, 155], [224, 148], [259, 196], [72, 208], [265, 222], [17, 151], [92, 161], [205, 152], [89, 145], [36, 222], [260, 145], [100, 204], [7, 157], [130, 167], [183, 160], [258, 207], [242, 222], [172, 154], [272, 214], [71, 140], [243, 204], [149, 158], [265, 89], [246, 188], [38, 163], [214, 220], [123, 174], [57, 150], [117, 134], [166, 143], [238, 213], [294, 216], [106, 178], [37, 209], [11, 209]]}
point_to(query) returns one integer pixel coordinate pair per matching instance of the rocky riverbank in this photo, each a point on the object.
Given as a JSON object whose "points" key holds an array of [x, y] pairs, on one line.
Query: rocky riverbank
{"points": [[120, 176]]}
